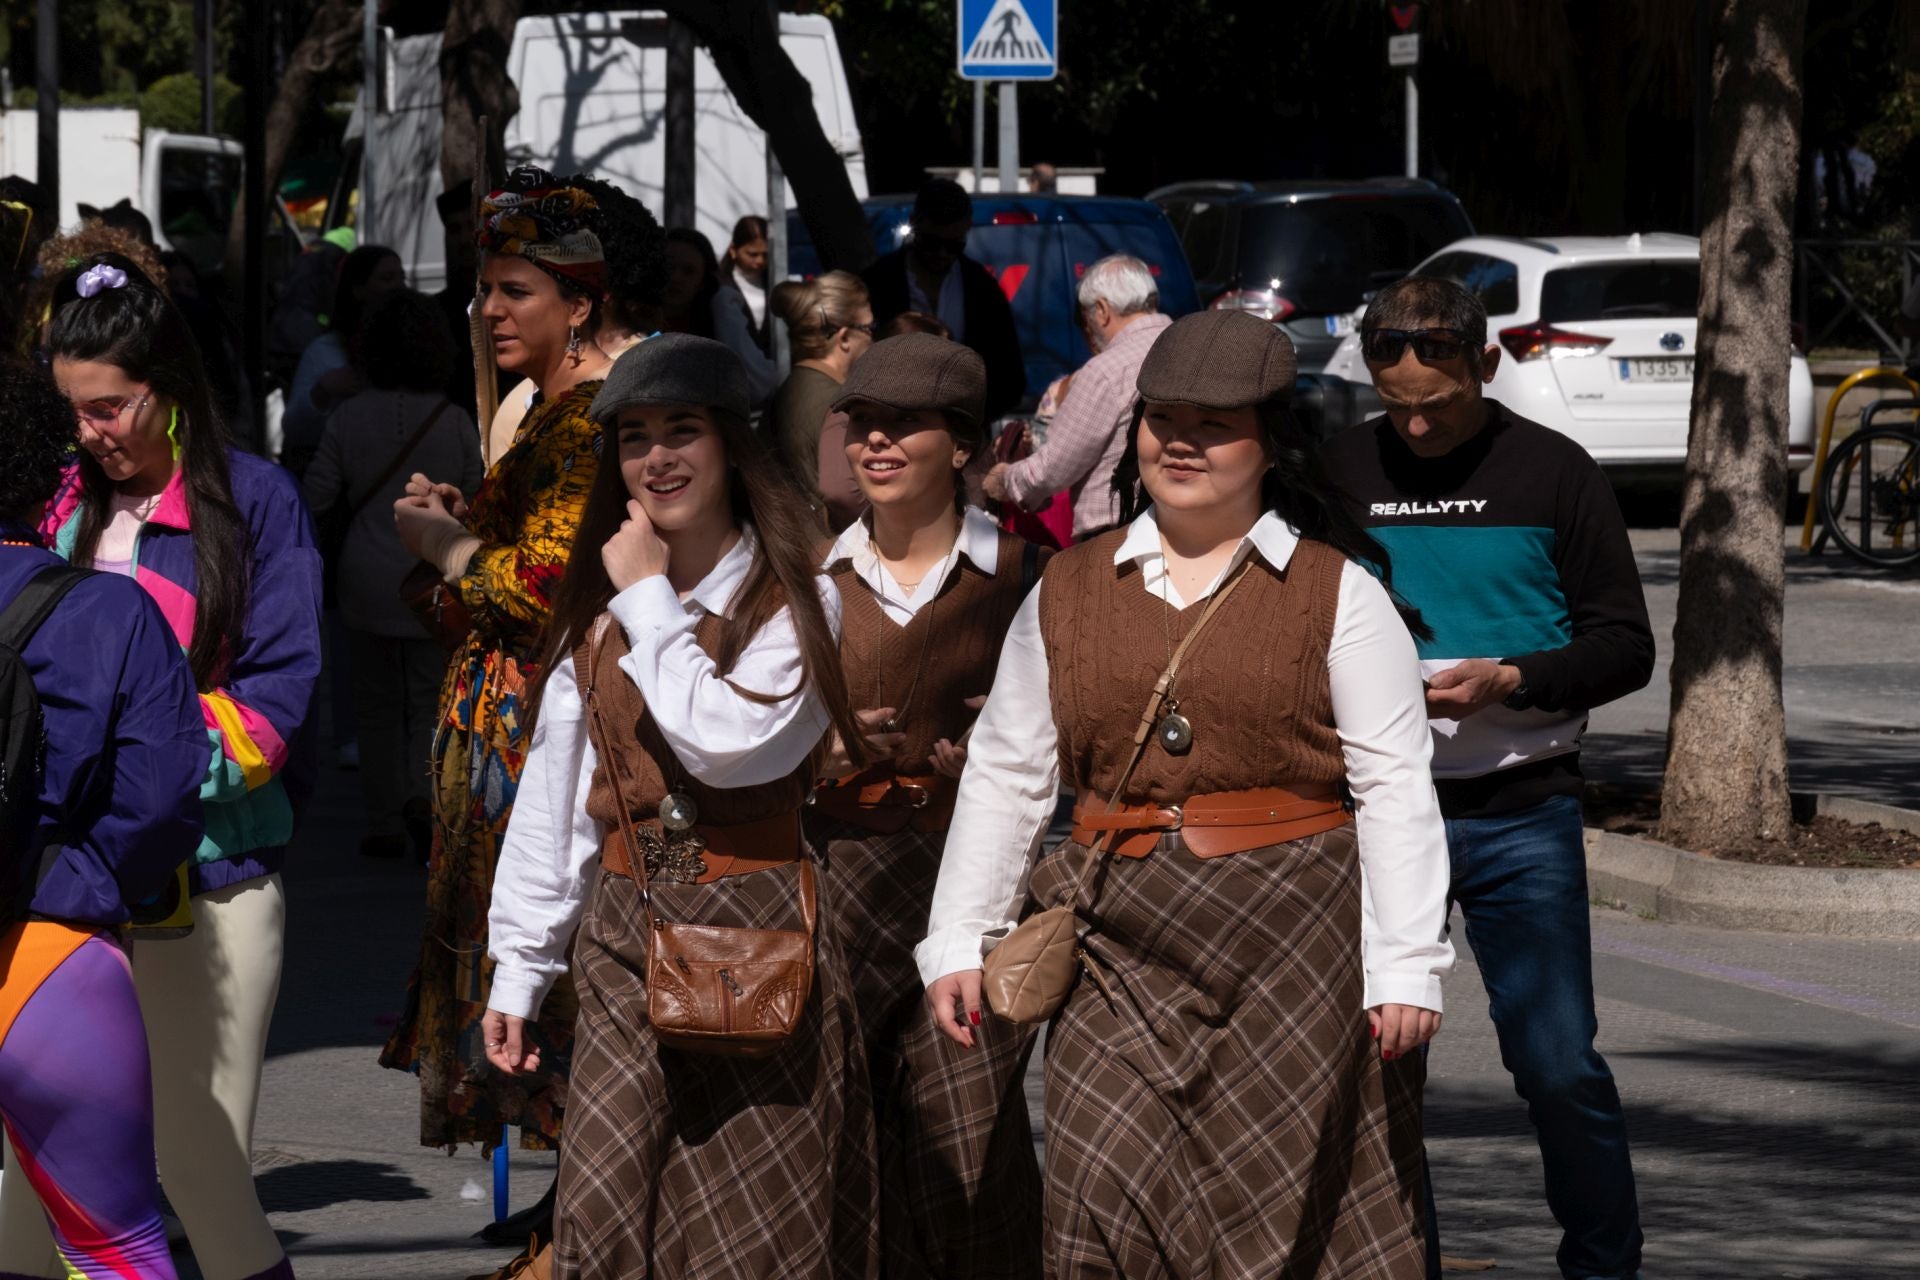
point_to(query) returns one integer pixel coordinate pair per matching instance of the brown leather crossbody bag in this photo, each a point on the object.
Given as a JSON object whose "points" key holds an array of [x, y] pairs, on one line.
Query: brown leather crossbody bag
{"points": [[715, 989], [1029, 975]]}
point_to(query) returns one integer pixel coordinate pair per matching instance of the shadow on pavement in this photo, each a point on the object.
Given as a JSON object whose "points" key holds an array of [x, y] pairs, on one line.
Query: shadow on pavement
{"points": [[315, 1184], [1862, 763]]}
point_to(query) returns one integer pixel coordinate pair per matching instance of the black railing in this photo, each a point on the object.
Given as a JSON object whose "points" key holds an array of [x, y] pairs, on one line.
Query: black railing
{"points": [[1850, 292]]}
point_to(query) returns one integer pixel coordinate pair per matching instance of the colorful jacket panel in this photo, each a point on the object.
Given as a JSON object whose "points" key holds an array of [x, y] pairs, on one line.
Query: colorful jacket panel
{"points": [[258, 718], [120, 787]]}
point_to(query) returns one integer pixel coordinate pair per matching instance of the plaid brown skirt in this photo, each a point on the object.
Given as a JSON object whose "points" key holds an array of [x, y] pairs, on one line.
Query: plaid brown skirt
{"points": [[960, 1187], [688, 1166], [1227, 1116]]}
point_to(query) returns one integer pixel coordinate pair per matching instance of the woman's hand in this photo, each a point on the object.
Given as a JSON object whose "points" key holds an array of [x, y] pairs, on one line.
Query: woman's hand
{"points": [[418, 486], [955, 1002], [1402, 1028], [634, 551], [416, 515], [950, 758], [881, 744], [505, 1038]]}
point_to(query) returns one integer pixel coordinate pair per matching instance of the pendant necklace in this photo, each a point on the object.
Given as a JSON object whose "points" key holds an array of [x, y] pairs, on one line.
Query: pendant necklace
{"points": [[1174, 732]]}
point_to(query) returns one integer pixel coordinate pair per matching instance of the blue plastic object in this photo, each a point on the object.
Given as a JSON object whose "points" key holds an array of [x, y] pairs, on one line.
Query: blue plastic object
{"points": [[1038, 247], [500, 1177]]}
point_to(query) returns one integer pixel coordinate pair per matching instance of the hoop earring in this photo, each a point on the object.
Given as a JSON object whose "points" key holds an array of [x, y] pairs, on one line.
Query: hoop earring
{"points": [[573, 343], [173, 432]]}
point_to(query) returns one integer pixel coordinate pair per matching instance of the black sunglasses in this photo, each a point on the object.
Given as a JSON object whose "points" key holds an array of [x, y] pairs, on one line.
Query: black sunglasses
{"points": [[1387, 345]]}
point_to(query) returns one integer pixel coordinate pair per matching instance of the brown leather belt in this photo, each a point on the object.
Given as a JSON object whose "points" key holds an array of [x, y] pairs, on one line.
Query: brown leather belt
{"points": [[735, 850], [882, 800], [1217, 823]]}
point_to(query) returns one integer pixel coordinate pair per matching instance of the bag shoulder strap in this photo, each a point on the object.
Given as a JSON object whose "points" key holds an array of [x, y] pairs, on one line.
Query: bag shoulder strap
{"points": [[1148, 717], [1029, 568], [36, 601], [406, 451]]}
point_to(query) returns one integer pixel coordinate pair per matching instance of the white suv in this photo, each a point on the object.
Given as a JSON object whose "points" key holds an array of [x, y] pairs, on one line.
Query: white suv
{"points": [[1599, 337]]}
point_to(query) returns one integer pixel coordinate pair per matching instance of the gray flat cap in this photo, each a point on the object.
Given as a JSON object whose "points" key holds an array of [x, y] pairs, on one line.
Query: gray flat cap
{"points": [[920, 371], [1219, 360], [675, 368]]}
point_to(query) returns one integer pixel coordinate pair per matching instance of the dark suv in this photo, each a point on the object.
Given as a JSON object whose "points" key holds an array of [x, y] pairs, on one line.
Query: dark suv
{"points": [[1304, 254]]}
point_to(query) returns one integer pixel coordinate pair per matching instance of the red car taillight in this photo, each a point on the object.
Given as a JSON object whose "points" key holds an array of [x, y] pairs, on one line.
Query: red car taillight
{"points": [[1014, 218], [1260, 302], [1538, 341]]}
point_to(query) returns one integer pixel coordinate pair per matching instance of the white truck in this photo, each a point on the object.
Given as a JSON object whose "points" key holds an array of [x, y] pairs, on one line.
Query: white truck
{"points": [[594, 101], [187, 184]]}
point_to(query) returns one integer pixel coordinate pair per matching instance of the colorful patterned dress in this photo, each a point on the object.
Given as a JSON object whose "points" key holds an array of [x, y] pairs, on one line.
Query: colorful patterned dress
{"points": [[525, 515]]}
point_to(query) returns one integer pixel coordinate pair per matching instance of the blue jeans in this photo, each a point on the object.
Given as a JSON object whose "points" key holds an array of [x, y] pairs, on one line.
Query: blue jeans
{"points": [[1520, 880]]}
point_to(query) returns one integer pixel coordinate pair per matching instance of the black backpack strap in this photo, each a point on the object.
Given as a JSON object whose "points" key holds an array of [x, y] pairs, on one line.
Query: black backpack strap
{"points": [[36, 601], [1029, 568]]}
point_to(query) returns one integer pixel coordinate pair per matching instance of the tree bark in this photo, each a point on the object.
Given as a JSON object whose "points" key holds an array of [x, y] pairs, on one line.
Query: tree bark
{"points": [[331, 39], [474, 83], [1726, 778], [744, 44]]}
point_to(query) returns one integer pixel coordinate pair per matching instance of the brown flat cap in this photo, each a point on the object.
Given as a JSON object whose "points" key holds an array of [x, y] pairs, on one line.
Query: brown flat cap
{"points": [[1219, 360], [920, 371]]}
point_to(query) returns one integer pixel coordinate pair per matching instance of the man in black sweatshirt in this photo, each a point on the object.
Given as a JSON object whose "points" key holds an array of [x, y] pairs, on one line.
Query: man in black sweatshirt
{"points": [[1507, 538]]}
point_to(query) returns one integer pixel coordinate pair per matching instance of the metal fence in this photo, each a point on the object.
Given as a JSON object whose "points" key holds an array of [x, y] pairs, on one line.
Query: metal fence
{"points": [[1849, 293]]}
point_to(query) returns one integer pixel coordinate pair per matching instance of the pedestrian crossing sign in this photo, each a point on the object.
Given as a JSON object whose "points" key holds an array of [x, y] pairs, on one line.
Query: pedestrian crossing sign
{"points": [[1009, 39]]}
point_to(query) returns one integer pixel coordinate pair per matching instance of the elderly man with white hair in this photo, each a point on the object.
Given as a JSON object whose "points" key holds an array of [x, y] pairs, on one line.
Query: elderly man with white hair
{"points": [[1120, 313]]}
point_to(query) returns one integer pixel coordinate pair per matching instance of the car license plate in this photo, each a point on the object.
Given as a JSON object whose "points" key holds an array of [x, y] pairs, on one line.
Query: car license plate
{"points": [[1339, 326], [1656, 370]]}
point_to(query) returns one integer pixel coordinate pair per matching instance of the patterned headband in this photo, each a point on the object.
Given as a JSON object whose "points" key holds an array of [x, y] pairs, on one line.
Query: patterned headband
{"points": [[547, 223]]}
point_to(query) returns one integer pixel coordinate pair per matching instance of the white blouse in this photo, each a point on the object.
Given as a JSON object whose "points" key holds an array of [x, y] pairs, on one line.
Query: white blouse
{"points": [[979, 541], [1012, 779], [550, 856]]}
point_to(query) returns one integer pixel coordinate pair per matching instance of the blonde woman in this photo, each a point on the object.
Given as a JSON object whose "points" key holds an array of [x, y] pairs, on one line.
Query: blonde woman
{"points": [[829, 325]]}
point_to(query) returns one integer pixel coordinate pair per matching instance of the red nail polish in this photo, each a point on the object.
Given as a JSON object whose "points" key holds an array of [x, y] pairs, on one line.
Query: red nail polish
{"points": [[1376, 1033], [974, 1017], [1387, 1055]]}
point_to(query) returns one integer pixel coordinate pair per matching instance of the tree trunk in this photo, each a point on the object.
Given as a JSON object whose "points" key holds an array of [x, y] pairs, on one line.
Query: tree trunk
{"points": [[1726, 778], [331, 39], [474, 83], [744, 43]]}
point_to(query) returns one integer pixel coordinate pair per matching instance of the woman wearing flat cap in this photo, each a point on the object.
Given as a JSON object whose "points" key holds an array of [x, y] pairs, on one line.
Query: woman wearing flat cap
{"points": [[543, 282], [928, 586], [689, 676], [1233, 1083]]}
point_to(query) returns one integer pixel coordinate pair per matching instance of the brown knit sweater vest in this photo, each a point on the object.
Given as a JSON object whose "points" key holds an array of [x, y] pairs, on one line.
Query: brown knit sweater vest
{"points": [[642, 748], [928, 669], [1254, 684]]}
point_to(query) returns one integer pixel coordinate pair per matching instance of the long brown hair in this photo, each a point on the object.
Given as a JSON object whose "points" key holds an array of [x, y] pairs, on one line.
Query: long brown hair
{"points": [[784, 574]]}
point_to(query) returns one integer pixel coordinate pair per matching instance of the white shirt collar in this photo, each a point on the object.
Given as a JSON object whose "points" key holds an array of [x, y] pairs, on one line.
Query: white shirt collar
{"points": [[979, 542], [715, 592], [1273, 538]]}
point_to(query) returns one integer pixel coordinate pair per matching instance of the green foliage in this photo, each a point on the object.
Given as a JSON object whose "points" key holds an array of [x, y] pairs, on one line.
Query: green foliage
{"points": [[173, 103]]}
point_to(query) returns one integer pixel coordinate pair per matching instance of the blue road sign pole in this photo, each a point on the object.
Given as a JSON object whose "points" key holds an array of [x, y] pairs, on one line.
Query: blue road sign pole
{"points": [[1009, 137]]}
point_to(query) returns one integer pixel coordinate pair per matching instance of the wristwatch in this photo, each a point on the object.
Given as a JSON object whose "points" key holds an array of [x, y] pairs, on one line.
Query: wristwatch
{"points": [[1521, 699]]}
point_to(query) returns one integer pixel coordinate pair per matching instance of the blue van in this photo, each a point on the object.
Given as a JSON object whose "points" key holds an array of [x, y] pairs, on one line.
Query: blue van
{"points": [[1038, 247]]}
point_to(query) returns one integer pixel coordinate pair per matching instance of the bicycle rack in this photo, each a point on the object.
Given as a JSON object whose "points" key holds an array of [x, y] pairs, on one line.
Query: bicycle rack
{"points": [[1809, 542], [1867, 416]]}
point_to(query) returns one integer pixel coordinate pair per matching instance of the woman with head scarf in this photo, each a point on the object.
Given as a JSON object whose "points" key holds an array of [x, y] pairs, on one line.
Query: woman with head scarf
{"points": [[1258, 864], [542, 293]]}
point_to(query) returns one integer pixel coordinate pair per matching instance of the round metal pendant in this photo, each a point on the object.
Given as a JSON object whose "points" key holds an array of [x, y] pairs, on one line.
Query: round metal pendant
{"points": [[1175, 734], [678, 812]]}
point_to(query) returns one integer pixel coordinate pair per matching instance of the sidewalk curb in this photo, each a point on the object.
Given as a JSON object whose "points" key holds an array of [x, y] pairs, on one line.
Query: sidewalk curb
{"points": [[1661, 882]]}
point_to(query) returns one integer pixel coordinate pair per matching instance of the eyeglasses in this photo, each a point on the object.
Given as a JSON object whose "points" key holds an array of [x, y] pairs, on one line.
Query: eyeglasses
{"points": [[867, 328], [104, 413], [1385, 346]]}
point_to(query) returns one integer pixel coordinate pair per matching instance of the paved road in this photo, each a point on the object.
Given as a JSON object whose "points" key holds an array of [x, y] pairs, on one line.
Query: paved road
{"points": [[1769, 1079]]}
